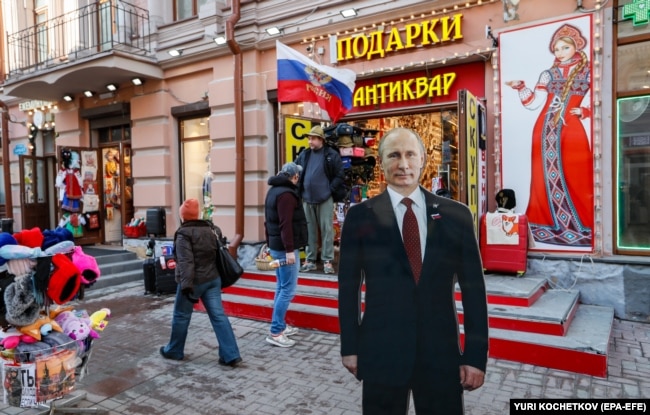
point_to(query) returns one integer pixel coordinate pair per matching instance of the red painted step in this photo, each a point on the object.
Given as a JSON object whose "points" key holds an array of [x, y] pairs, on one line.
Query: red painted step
{"points": [[528, 322]]}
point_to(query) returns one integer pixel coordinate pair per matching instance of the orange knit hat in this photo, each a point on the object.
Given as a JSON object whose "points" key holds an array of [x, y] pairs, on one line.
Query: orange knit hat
{"points": [[189, 210]]}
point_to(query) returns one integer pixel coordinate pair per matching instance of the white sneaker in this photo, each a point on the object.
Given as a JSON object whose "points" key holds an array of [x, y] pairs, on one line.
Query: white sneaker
{"points": [[280, 340], [290, 330]]}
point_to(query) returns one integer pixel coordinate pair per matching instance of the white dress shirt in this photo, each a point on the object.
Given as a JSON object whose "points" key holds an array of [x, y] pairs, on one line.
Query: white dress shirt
{"points": [[419, 209]]}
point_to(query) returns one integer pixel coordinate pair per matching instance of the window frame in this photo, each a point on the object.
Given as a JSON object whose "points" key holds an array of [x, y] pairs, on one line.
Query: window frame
{"points": [[623, 36]]}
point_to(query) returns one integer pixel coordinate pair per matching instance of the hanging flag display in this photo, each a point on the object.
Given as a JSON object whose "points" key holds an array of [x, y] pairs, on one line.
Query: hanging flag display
{"points": [[302, 80]]}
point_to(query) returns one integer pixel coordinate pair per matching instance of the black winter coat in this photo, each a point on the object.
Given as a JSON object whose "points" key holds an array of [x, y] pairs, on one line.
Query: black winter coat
{"points": [[273, 217], [333, 167], [195, 247]]}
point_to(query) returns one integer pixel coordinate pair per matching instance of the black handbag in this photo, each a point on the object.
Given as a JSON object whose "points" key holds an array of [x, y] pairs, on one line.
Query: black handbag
{"points": [[229, 269]]}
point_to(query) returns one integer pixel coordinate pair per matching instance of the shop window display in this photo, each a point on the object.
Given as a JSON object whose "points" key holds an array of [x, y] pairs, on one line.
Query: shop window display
{"points": [[358, 142], [439, 132], [197, 178], [634, 173]]}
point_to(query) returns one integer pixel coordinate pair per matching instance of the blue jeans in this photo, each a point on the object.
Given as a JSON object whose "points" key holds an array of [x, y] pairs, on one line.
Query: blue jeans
{"points": [[285, 290], [210, 294]]}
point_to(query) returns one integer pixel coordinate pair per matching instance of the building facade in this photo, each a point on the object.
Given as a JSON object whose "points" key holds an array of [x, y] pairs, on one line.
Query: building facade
{"points": [[113, 108]]}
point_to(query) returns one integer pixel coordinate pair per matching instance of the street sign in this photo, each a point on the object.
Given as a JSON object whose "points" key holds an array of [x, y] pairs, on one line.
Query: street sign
{"points": [[20, 149]]}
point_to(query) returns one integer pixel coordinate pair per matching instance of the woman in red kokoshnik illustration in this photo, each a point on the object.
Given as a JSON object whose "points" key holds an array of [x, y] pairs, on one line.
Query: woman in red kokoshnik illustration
{"points": [[560, 208]]}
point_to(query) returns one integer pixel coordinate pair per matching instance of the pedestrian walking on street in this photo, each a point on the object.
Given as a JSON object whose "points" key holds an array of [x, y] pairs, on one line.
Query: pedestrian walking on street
{"points": [[410, 247], [195, 249], [322, 177], [286, 234]]}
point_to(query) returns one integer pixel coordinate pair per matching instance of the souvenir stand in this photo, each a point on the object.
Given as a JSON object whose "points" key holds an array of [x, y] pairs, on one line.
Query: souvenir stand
{"points": [[45, 340], [358, 149]]}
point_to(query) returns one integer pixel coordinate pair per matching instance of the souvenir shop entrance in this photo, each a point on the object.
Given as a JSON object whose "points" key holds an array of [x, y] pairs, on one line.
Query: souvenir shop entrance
{"points": [[96, 188], [117, 194], [439, 132], [37, 192]]}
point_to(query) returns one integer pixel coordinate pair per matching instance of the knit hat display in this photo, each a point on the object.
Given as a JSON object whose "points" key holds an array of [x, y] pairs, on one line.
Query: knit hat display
{"points": [[345, 141], [64, 280], [21, 266], [290, 169], [32, 238], [189, 210], [22, 309], [6, 239], [41, 277], [5, 280], [87, 265], [55, 236]]}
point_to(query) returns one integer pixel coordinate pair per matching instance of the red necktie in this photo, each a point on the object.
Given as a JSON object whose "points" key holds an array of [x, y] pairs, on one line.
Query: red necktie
{"points": [[411, 237]]}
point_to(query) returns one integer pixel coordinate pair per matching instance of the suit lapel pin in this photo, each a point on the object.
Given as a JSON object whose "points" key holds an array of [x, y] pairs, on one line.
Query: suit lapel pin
{"points": [[435, 215]]}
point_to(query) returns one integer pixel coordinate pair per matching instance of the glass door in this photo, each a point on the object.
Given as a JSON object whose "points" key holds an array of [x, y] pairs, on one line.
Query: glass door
{"points": [[117, 180], [35, 200]]}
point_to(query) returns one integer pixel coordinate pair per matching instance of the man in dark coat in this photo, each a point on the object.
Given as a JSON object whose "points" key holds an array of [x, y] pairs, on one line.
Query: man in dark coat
{"points": [[319, 185], [407, 337], [286, 234]]}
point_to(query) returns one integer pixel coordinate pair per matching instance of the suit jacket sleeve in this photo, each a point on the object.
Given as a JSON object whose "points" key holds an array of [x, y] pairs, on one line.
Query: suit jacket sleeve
{"points": [[474, 297], [350, 280]]}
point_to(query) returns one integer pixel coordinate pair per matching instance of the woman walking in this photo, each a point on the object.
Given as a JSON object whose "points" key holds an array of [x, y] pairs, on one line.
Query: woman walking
{"points": [[195, 248]]}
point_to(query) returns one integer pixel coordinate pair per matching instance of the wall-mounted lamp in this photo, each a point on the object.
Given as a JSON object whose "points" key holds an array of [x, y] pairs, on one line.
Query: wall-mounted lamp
{"points": [[137, 81], [88, 94], [175, 52], [273, 31], [220, 40], [67, 98], [490, 35], [111, 87], [349, 13]]}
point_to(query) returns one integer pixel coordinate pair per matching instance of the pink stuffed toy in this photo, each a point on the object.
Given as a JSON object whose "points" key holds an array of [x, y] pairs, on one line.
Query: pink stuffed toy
{"points": [[76, 325], [87, 266], [13, 338]]}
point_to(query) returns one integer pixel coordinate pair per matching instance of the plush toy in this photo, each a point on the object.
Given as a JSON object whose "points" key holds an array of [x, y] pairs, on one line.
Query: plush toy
{"points": [[111, 165], [76, 325], [98, 319], [13, 337], [42, 326]]}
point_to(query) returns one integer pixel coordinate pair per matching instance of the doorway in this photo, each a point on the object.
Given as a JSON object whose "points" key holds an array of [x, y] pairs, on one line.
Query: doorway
{"points": [[118, 190], [37, 191]]}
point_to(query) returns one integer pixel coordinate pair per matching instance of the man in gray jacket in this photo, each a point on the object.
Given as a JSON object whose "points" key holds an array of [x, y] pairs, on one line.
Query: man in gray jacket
{"points": [[319, 186]]}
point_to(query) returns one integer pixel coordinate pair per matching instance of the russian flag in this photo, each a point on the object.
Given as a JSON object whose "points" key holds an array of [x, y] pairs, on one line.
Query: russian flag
{"points": [[302, 80]]}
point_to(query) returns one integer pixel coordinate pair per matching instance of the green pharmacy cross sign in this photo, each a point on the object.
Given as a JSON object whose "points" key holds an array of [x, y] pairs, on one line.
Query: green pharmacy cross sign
{"points": [[638, 11]]}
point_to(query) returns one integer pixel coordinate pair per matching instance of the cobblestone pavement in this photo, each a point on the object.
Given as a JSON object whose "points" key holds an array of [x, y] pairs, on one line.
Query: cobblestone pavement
{"points": [[128, 376]]}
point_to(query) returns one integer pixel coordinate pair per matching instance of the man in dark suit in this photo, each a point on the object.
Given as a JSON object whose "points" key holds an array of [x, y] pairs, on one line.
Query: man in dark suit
{"points": [[407, 339]]}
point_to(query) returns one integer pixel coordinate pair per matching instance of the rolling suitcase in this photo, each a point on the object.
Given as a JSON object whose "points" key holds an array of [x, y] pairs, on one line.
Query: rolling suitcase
{"points": [[505, 249], [165, 269], [156, 221], [149, 271]]}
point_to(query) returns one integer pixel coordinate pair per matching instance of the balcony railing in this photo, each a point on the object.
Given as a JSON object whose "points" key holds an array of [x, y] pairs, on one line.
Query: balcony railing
{"points": [[96, 28]]}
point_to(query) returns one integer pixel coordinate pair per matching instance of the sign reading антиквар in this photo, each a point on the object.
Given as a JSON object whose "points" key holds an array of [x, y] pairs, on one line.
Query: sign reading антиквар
{"points": [[579, 406]]}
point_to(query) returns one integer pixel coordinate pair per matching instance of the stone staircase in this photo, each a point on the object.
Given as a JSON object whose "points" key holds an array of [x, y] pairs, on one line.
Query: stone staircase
{"points": [[117, 266], [529, 322]]}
